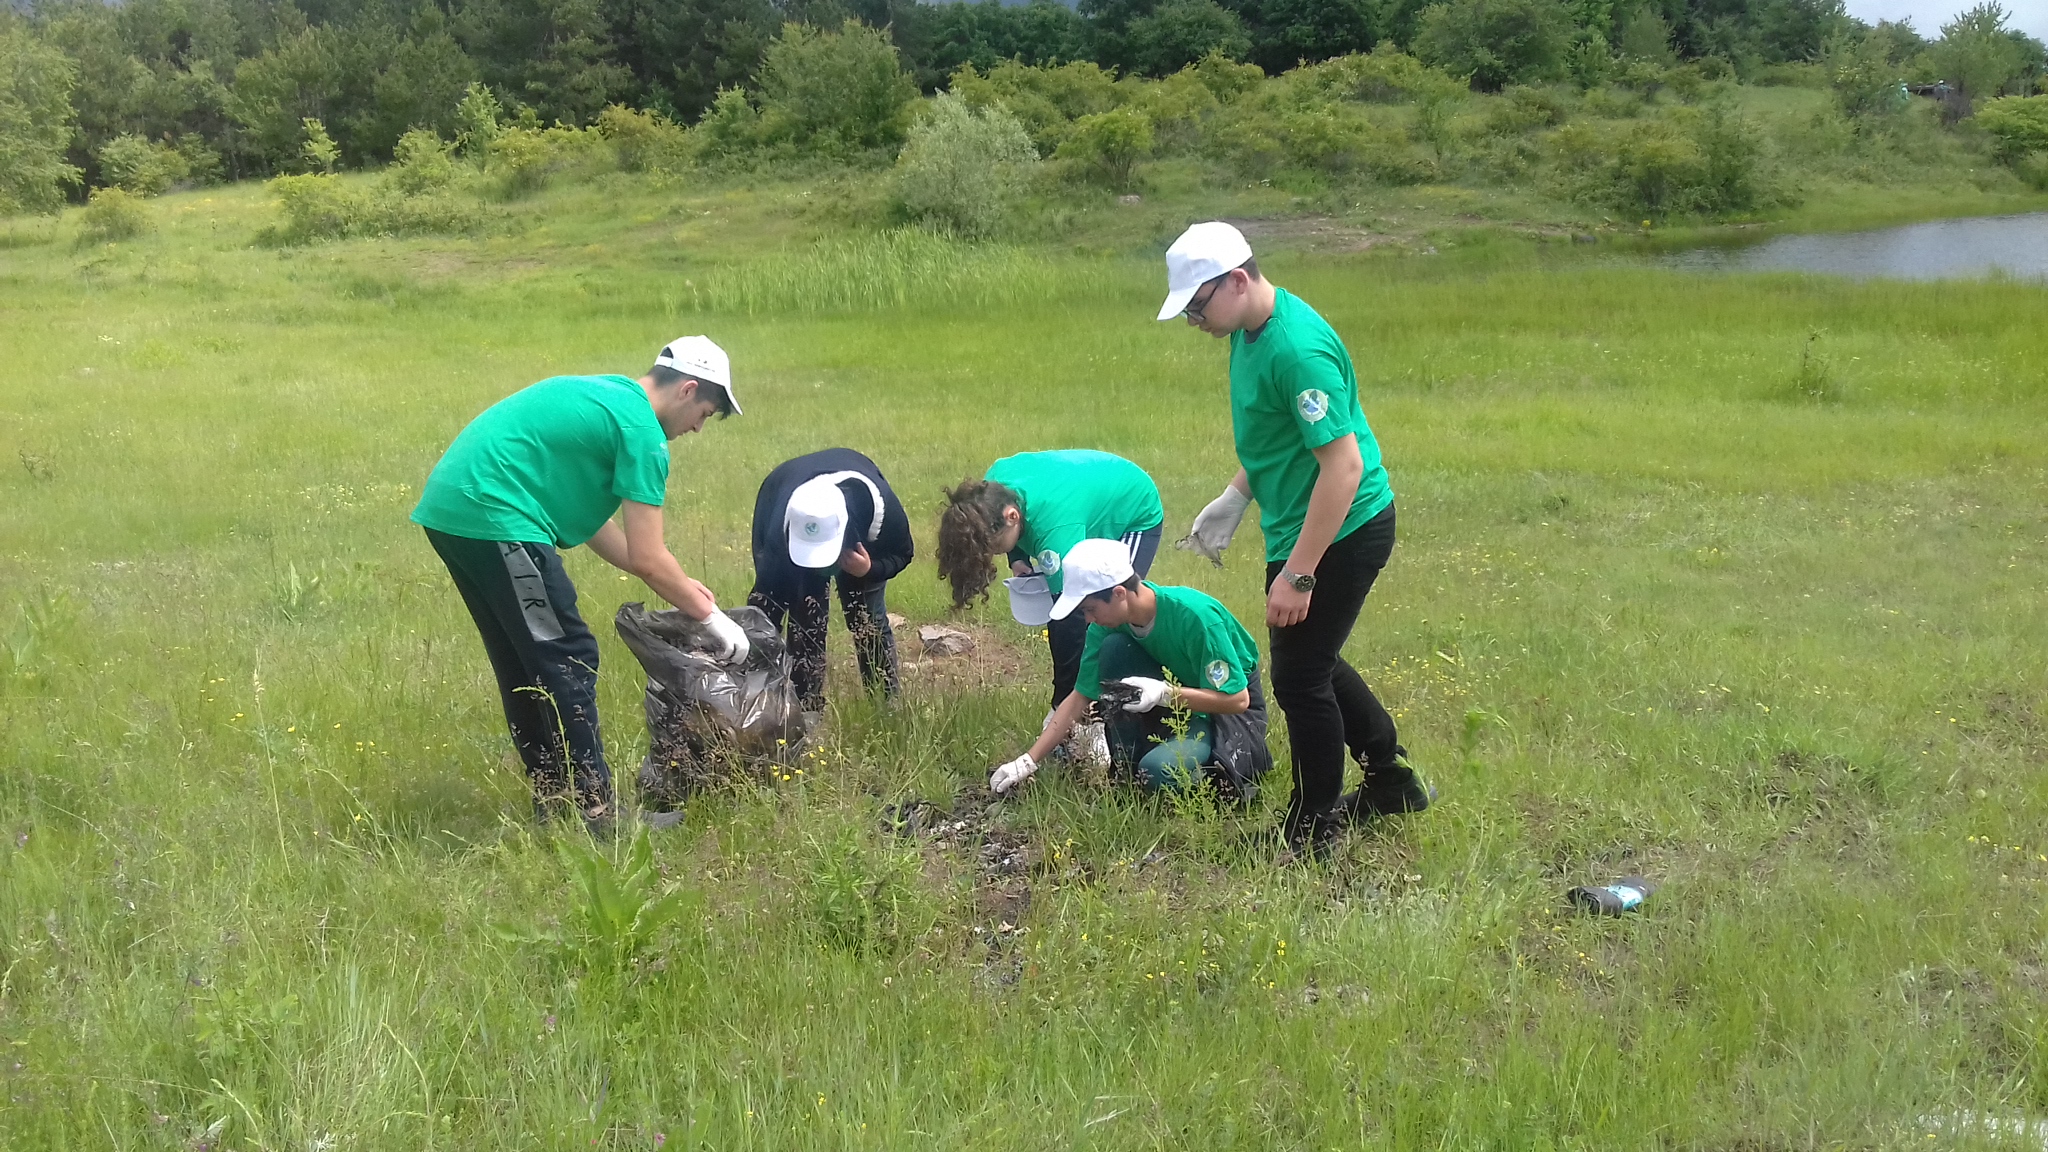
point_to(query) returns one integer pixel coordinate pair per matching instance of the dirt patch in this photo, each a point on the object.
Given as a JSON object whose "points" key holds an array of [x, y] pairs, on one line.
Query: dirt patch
{"points": [[1316, 234], [1003, 861]]}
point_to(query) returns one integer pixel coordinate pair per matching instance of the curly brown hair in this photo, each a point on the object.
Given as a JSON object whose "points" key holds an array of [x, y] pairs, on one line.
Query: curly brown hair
{"points": [[968, 527]]}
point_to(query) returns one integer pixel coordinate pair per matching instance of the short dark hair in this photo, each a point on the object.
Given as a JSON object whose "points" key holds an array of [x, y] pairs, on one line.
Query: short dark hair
{"points": [[1250, 268], [666, 377]]}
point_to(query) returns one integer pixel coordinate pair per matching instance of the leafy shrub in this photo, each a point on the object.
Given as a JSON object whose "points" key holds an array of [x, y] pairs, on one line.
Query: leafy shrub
{"points": [[142, 167], [1496, 42], [730, 129], [1865, 82], [835, 93], [1047, 100], [1690, 161], [642, 141], [420, 164], [2033, 170], [1386, 75], [2018, 126], [1523, 109], [1332, 139], [320, 151], [521, 161], [112, 214], [317, 206], [1108, 145], [962, 169], [477, 121]]}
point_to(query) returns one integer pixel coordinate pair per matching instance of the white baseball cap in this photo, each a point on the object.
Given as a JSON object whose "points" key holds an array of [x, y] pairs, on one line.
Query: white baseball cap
{"points": [[698, 358], [1091, 566], [816, 521], [1203, 252]]}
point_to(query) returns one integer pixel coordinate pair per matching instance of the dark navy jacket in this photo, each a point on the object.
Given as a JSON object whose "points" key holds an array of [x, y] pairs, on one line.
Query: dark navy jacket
{"points": [[890, 550]]}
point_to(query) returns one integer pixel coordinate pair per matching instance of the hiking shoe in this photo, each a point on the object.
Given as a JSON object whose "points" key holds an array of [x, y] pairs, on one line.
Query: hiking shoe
{"points": [[1312, 839], [1388, 790]]}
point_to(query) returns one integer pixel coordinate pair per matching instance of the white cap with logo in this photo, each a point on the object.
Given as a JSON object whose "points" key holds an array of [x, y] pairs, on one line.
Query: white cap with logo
{"points": [[1203, 252], [816, 521], [700, 359], [1091, 566]]}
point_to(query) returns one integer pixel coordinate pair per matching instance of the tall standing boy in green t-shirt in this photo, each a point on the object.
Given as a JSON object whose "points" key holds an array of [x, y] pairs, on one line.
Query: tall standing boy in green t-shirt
{"points": [[546, 468], [1326, 509]]}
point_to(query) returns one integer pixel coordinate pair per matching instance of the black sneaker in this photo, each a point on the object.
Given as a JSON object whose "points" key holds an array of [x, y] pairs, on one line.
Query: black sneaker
{"points": [[1389, 790], [1312, 839]]}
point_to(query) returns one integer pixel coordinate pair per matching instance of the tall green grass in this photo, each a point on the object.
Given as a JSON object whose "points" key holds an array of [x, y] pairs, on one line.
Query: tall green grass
{"points": [[874, 271], [267, 880]]}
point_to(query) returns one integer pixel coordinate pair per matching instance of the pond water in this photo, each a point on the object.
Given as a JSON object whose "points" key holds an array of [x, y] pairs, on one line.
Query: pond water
{"points": [[1937, 250]]}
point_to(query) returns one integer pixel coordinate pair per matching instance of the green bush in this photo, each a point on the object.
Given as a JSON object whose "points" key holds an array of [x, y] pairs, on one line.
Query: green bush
{"points": [[1047, 101], [2033, 170], [1108, 145], [522, 161], [1522, 109], [643, 141], [317, 206], [730, 130], [1865, 82], [1331, 139], [2018, 126], [139, 166], [835, 93], [1688, 162], [319, 151], [420, 164], [477, 122], [1386, 75], [112, 214], [1496, 42], [963, 169]]}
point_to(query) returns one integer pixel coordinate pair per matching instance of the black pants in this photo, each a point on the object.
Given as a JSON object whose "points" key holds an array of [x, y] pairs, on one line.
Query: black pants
{"points": [[799, 594], [1069, 637], [1328, 707], [545, 659]]}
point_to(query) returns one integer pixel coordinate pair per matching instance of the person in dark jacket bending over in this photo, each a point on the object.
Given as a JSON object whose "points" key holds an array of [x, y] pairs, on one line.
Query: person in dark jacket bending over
{"points": [[825, 513]]}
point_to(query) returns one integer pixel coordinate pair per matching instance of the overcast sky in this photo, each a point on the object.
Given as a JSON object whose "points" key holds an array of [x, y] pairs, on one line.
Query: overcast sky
{"points": [[2029, 16]]}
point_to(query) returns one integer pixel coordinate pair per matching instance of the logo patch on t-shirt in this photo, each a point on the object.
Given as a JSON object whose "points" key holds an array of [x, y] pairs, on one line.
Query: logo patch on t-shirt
{"points": [[1048, 561], [1218, 673], [1314, 404]]}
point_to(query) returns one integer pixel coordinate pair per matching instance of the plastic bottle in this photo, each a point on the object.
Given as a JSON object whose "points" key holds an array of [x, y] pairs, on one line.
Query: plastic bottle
{"points": [[1611, 899]]}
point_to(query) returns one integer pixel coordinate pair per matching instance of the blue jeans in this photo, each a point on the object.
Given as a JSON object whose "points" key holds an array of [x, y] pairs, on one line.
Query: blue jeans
{"points": [[1141, 743]]}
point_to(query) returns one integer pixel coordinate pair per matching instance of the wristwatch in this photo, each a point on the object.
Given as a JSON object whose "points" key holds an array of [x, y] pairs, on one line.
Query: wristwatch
{"points": [[1299, 581]]}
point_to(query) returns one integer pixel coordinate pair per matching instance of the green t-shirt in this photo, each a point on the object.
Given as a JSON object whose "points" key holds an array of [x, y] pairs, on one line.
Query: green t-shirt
{"points": [[1072, 495], [1194, 637], [1292, 391], [549, 464]]}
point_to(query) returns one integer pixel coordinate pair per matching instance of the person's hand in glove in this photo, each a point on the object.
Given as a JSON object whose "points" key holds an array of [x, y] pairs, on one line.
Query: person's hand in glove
{"points": [[1151, 693], [732, 639], [1010, 775], [1216, 524]]}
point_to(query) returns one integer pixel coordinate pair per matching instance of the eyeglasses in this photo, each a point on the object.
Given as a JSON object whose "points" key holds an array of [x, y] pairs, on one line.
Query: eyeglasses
{"points": [[1199, 304]]}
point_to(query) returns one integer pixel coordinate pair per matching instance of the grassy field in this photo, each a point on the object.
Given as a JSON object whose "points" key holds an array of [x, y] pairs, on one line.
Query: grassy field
{"points": [[1664, 602]]}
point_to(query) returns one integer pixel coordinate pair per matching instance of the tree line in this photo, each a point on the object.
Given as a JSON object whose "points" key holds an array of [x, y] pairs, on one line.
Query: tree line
{"points": [[206, 89]]}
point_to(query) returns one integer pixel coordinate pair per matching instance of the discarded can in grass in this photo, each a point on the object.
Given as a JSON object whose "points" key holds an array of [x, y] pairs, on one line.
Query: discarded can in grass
{"points": [[1611, 899]]}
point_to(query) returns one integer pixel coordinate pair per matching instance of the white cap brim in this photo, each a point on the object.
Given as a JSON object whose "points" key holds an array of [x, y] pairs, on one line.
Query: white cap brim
{"points": [[1065, 605], [814, 553], [1177, 300], [1030, 600], [731, 401]]}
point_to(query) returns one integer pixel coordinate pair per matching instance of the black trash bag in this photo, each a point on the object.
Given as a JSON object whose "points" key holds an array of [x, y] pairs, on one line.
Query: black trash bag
{"points": [[709, 722]]}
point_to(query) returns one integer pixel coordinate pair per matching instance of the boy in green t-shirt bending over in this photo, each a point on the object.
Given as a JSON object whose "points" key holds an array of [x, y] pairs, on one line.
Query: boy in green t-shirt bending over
{"points": [[543, 469], [1140, 633]]}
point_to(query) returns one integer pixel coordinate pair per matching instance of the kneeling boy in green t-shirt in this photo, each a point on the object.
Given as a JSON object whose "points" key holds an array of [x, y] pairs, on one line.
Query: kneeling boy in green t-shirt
{"points": [[1139, 634]]}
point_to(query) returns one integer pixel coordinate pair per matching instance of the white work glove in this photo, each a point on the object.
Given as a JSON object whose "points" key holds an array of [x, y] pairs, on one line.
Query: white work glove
{"points": [[1216, 524], [1151, 693], [730, 635], [1010, 775]]}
